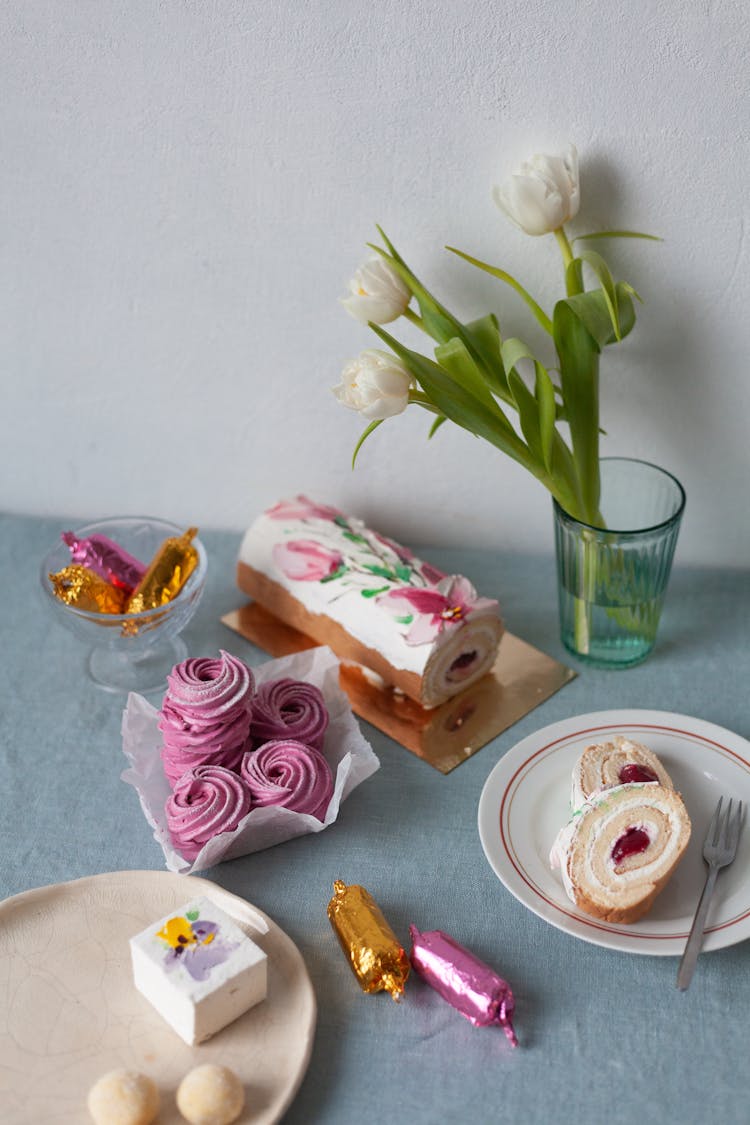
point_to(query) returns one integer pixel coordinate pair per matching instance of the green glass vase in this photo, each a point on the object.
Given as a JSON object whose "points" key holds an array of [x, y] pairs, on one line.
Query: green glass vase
{"points": [[612, 579]]}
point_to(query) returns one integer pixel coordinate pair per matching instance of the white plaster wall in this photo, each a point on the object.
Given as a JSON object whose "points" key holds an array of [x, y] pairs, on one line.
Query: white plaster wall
{"points": [[185, 188]]}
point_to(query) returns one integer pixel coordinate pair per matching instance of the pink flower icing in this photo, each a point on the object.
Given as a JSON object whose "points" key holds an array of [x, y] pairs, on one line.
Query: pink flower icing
{"points": [[445, 606], [304, 560], [288, 773], [289, 709], [300, 508], [206, 800], [206, 714]]}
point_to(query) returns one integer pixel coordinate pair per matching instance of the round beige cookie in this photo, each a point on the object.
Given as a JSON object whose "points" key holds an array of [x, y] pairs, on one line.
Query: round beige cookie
{"points": [[210, 1095], [123, 1097]]}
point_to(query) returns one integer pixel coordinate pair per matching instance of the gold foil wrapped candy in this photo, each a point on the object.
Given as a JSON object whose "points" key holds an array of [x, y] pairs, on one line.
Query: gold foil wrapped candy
{"points": [[81, 588], [167, 573], [375, 954]]}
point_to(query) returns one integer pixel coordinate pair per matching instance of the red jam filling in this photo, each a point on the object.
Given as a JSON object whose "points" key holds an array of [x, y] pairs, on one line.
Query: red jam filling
{"points": [[634, 772], [632, 842], [461, 667]]}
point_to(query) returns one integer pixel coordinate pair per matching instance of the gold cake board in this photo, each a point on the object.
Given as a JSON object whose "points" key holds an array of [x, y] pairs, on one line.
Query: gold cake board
{"points": [[521, 679]]}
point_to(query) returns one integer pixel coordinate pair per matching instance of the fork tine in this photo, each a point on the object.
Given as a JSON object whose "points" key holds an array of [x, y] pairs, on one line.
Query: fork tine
{"points": [[726, 825], [734, 829], [714, 827]]}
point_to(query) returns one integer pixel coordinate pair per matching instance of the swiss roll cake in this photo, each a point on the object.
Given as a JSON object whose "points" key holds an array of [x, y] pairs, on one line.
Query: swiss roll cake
{"points": [[617, 762], [620, 848], [371, 600]]}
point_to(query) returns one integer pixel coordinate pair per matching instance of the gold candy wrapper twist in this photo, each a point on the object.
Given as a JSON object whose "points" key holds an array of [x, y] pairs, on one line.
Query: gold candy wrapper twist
{"points": [[167, 573], [77, 586], [374, 952]]}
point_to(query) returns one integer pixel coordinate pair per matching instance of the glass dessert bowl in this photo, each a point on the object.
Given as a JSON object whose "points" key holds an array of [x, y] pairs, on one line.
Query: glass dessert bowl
{"points": [[129, 651]]}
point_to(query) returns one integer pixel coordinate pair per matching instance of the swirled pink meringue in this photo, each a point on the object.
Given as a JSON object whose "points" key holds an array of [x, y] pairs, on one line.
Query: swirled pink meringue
{"points": [[288, 773], [206, 800], [206, 714], [289, 709]]}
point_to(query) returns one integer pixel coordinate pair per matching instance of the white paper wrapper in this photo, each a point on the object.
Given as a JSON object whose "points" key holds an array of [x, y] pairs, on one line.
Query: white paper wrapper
{"points": [[348, 753]]}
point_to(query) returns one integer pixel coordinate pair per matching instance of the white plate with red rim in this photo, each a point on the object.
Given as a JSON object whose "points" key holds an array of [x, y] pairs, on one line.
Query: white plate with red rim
{"points": [[525, 801]]}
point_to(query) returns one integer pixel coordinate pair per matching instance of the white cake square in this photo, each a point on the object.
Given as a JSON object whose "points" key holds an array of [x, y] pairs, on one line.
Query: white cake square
{"points": [[198, 969]]}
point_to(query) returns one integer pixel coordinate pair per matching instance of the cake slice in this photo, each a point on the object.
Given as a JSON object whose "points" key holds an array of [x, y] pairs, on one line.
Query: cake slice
{"points": [[372, 601], [620, 848], [617, 762]]}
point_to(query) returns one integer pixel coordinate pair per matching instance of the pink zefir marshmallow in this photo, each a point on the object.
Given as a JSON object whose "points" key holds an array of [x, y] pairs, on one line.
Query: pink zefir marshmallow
{"points": [[289, 709], [286, 772], [206, 800], [206, 714]]}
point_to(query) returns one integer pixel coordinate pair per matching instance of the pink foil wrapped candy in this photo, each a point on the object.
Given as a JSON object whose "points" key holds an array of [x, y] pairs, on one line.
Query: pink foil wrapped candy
{"points": [[290, 709], [106, 558], [206, 800], [290, 774], [470, 986], [206, 714]]}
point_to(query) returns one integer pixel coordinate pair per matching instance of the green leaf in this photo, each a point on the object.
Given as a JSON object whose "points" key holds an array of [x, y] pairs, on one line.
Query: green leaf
{"points": [[191, 915], [406, 620], [436, 425], [365, 434], [379, 571], [536, 411], [544, 392], [527, 412], [578, 352], [591, 308], [617, 234], [353, 538], [494, 271], [374, 593], [454, 358], [602, 271], [456, 403], [486, 338], [440, 323], [338, 573], [437, 320]]}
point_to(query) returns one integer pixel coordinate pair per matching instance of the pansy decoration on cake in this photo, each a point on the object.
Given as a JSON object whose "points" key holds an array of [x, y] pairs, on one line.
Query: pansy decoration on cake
{"points": [[195, 943]]}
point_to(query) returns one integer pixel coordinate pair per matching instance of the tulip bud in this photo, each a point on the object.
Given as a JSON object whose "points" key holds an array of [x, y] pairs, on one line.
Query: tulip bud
{"points": [[377, 293], [543, 194], [376, 384]]}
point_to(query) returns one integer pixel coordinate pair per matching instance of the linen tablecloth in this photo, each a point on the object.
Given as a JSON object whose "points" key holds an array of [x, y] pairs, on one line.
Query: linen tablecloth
{"points": [[605, 1036]]}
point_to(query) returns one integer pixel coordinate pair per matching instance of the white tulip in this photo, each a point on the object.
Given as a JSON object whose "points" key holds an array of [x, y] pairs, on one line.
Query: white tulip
{"points": [[543, 194], [377, 293], [376, 384]]}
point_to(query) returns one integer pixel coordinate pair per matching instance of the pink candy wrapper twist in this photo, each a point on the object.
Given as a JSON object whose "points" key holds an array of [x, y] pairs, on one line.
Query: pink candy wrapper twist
{"points": [[471, 987], [106, 558]]}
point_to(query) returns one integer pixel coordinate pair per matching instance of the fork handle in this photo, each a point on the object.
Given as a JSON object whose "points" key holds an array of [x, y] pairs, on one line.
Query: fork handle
{"points": [[695, 941]]}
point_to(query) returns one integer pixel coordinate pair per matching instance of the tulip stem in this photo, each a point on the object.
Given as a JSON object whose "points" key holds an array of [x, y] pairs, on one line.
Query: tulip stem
{"points": [[573, 280], [415, 318], [419, 398]]}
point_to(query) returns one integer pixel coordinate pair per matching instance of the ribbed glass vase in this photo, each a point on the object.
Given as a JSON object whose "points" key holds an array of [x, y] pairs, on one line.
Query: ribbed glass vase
{"points": [[612, 579]]}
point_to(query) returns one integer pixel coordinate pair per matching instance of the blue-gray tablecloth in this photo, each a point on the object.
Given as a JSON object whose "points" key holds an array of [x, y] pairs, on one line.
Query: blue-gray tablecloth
{"points": [[605, 1036]]}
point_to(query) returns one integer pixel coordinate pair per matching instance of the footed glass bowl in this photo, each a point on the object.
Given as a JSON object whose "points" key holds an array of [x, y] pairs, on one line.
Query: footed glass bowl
{"points": [[129, 651]]}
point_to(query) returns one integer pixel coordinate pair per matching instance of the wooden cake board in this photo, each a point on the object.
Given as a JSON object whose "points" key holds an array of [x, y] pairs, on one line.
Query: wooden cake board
{"points": [[444, 736]]}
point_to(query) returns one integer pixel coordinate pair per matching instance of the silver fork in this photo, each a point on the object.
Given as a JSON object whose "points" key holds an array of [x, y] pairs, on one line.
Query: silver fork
{"points": [[719, 849]]}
